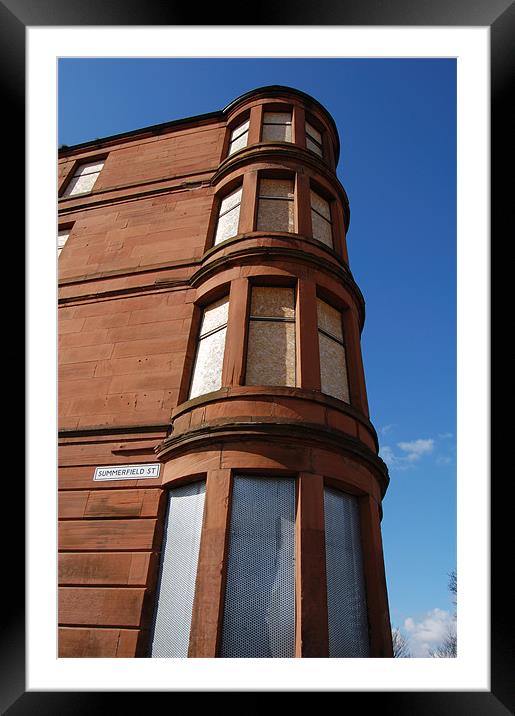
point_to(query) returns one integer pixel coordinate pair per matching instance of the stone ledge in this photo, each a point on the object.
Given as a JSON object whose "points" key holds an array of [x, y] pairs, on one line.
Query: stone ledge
{"points": [[232, 431]]}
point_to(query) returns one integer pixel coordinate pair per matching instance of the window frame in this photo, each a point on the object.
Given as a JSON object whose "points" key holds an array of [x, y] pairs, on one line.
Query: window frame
{"points": [[73, 174], [309, 123], [68, 226], [200, 337], [234, 128], [357, 496], [218, 208], [313, 189], [272, 319], [167, 498], [277, 110], [265, 474], [59, 246], [284, 176], [342, 342]]}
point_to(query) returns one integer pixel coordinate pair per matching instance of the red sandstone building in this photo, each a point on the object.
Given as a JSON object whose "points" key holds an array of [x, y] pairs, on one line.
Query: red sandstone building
{"points": [[219, 483]]}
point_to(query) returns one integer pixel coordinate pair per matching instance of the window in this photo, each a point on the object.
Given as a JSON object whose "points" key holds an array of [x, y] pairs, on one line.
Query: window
{"points": [[239, 137], [259, 610], [179, 562], [271, 339], [62, 238], [346, 600], [276, 205], [84, 178], [313, 139], [276, 127], [229, 216], [321, 219], [207, 372], [333, 364]]}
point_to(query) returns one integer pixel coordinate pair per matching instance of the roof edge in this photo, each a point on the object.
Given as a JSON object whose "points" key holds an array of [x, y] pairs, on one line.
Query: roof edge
{"points": [[278, 90], [151, 129]]}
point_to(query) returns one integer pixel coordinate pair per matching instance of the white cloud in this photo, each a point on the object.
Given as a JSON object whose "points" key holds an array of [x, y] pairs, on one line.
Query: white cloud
{"points": [[392, 460], [416, 448], [385, 428], [414, 451], [428, 633], [443, 460], [445, 436]]}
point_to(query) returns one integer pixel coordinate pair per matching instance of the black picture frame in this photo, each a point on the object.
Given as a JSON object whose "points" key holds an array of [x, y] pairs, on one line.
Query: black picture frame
{"points": [[499, 16]]}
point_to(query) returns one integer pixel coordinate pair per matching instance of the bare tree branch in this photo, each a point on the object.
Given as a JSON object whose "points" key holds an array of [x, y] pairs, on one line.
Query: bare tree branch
{"points": [[400, 645], [448, 649]]}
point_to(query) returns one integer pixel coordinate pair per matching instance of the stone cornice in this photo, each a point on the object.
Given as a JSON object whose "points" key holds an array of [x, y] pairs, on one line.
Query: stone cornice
{"points": [[282, 151], [225, 431], [102, 143], [251, 392], [108, 430], [282, 91], [276, 252], [112, 195]]}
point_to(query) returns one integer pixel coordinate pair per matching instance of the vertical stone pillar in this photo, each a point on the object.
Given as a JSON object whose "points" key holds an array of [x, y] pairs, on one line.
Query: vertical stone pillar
{"points": [[207, 614], [312, 638]]}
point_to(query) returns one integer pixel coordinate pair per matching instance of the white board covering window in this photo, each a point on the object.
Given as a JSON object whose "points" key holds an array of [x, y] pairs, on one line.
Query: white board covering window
{"points": [[207, 370], [333, 363], [276, 127], [229, 216], [239, 137], [271, 339], [62, 238], [179, 562], [83, 178], [321, 219], [346, 596], [259, 608], [276, 205], [313, 139]]}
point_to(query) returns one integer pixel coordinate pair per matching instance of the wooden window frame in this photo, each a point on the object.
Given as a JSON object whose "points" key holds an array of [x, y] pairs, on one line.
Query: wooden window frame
{"points": [[233, 138], [274, 110], [218, 205], [275, 319], [285, 176], [330, 202], [200, 338], [342, 342], [73, 174], [319, 144]]}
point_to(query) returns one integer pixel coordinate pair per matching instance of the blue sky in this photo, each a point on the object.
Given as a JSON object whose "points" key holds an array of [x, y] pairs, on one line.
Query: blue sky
{"points": [[397, 125]]}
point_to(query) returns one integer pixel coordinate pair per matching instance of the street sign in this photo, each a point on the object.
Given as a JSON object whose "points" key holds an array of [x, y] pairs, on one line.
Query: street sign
{"points": [[127, 472]]}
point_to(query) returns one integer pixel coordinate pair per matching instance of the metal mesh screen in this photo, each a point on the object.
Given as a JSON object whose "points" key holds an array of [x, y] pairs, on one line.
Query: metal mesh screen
{"points": [[346, 599], [172, 617], [259, 614]]}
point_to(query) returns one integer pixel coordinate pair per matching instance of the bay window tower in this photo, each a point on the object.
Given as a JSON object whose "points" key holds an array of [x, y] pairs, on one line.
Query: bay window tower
{"points": [[215, 274]]}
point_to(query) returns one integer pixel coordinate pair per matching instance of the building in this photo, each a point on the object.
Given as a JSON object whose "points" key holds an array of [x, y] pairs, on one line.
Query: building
{"points": [[219, 483]]}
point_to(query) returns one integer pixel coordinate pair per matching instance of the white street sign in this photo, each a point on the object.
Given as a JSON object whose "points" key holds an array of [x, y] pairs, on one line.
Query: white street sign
{"points": [[127, 472]]}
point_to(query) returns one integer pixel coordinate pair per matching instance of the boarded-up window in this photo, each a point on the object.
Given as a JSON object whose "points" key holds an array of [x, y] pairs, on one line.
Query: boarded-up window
{"points": [[313, 139], [346, 597], [259, 609], [276, 205], [62, 238], [239, 137], [321, 219], [271, 340], [276, 127], [229, 216], [179, 561], [333, 364], [83, 178], [207, 372]]}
